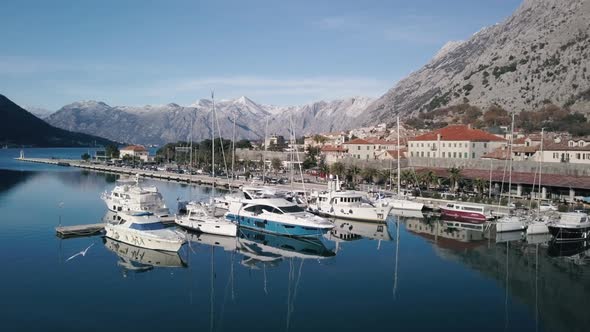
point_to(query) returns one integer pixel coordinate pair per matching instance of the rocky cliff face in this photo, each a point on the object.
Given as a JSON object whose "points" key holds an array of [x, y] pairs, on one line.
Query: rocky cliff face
{"points": [[172, 122], [541, 53]]}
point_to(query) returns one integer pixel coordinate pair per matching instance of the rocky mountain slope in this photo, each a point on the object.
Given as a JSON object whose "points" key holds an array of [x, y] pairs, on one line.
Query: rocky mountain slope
{"points": [[172, 122], [539, 54]]}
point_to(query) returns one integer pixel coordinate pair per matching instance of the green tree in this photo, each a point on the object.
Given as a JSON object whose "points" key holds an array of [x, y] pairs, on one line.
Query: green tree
{"points": [[276, 164], [243, 144], [455, 177], [427, 179], [352, 173], [85, 156], [112, 151], [338, 169], [319, 139], [407, 177], [368, 174], [480, 185]]}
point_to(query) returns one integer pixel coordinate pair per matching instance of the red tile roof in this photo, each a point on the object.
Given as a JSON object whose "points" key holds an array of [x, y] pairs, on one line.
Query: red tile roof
{"points": [[357, 141], [136, 148], [331, 148], [393, 153], [458, 133], [499, 153]]}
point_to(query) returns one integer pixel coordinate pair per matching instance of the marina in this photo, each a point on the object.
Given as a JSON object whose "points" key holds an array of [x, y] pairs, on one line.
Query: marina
{"points": [[402, 256]]}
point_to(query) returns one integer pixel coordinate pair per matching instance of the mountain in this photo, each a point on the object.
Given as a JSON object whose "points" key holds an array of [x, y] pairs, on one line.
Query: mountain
{"points": [[172, 122], [19, 127], [39, 112], [539, 54]]}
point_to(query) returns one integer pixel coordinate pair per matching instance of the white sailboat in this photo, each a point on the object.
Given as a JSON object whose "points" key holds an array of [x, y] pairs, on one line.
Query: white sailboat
{"points": [[201, 217], [399, 201]]}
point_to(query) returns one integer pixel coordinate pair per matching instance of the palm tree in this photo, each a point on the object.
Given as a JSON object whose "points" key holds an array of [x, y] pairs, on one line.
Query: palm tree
{"points": [[352, 172], [426, 179], [369, 173], [480, 185], [455, 177], [407, 177], [338, 169]]}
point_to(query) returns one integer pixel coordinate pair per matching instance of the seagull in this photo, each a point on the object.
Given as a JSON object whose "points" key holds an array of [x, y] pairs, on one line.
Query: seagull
{"points": [[83, 253]]}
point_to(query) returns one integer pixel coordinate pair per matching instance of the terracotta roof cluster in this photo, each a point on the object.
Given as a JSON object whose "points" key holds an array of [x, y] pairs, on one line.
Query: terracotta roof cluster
{"points": [[135, 148], [331, 148], [393, 153], [459, 133]]}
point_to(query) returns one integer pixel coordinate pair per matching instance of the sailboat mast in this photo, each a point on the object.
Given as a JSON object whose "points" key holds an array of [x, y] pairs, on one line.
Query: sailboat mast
{"points": [[213, 138], [510, 171], [399, 190], [541, 169], [265, 150], [233, 148]]}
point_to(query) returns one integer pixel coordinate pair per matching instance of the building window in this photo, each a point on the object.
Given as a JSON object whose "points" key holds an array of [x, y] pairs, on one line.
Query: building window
{"points": [[358, 147], [443, 144], [428, 154], [367, 147], [465, 155], [485, 145], [422, 154], [473, 144], [412, 153], [443, 154], [454, 154], [473, 155], [422, 144], [454, 145]]}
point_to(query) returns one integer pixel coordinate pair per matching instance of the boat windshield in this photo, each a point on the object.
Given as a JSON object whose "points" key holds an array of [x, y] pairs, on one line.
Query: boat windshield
{"points": [[148, 227], [291, 209]]}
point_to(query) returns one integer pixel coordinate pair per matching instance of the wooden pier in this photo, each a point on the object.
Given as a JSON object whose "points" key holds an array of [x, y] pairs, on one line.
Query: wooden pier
{"points": [[79, 230], [66, 232]]}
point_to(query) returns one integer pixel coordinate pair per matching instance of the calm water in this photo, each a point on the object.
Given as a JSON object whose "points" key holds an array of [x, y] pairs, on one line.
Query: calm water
{"points": [[419, 275]]}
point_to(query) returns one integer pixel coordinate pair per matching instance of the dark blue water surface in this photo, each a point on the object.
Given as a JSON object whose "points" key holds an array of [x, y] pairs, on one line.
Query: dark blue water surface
{"points": [[432, 278]]}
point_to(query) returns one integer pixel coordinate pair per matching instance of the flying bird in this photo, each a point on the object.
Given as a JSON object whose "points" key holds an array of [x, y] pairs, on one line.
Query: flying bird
{"points": [[83, 253]]}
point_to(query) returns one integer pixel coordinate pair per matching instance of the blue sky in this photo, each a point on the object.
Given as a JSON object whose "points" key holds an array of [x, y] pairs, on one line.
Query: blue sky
{"points": [[275, 52]]}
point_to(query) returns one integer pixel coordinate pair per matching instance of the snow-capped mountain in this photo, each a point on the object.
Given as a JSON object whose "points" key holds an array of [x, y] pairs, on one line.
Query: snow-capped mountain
{"points": [[171, 122]]}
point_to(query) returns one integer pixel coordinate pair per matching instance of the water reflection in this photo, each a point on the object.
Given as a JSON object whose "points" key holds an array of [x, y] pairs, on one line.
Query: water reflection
{"points": [[269, 250], [136, 260], [446, 234]]}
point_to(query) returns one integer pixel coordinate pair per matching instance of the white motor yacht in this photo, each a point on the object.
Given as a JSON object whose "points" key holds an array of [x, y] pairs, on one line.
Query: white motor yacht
{"points": [[199, 217], [145, 230], [131, 198], [278, 216], [346, 204], [571, 226]]}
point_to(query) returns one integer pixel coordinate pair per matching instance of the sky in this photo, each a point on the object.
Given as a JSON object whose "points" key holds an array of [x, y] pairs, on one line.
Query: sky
{"points": [[126, 52]]}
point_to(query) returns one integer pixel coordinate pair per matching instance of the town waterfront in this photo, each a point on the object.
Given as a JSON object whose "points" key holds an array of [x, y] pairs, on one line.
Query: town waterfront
{"points": [[406, 274]]}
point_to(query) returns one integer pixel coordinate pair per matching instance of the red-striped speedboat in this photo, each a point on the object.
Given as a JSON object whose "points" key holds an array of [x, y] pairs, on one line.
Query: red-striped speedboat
{"points": [[470, 213]]}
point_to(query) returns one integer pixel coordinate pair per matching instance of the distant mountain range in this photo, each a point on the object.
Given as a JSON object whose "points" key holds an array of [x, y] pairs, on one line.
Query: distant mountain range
{"points": [[19, 127], [172, 122], [539, 54]]}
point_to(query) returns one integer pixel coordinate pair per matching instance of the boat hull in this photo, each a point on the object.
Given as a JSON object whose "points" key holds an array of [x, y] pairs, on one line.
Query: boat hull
{"points": [[225, 228], [360, 214], [537, 228], [402, 204], [273, 227], [473, 217], [135, 239], [564, 234], [509, 226]]}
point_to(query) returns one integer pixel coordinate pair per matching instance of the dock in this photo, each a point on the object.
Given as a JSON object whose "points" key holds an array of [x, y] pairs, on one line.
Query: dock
{"points": [[66, 232], [165, 176]]}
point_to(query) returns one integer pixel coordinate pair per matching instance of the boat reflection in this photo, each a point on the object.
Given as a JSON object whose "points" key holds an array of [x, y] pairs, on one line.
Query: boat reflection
{"points": [[228, 243], [135, 259], [268, 249], [580, 249], [447, 234]]}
